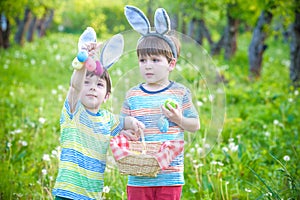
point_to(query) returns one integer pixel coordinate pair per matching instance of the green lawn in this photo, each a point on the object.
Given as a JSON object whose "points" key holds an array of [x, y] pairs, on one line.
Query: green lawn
{"points": [[256, 157]]}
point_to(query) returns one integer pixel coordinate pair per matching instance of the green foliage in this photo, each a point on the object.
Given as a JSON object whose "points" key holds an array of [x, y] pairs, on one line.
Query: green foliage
{"points": [[256, 157]]}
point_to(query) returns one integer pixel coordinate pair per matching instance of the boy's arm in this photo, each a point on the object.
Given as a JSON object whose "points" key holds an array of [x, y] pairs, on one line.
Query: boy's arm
{"points": [[76, 83]]}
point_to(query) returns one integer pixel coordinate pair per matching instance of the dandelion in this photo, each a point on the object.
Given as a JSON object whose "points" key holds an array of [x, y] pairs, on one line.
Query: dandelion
{"points": [[233, 147], [57, 57], [220, 164], [54, 153], [42, 120], [213, 162], [286, 158], [46, 157], [290, 100], [248, 190], [198, 165], [9, 145], [54, 92], [296, 92], [211, 97], [267, 133], [207, 146], [17, 131], [106, 189], [44, 172], [23, 143], [60, 87], [192, 150], [32, 61], [199, 103], [199, 150], [275, 122], [225, 149]]}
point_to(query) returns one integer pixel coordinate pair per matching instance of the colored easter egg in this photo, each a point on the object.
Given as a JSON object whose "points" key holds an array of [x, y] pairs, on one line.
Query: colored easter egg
{"points": [[90, 64], [82, 56], [163, 124], [171, 102], [99, 69], [76, 64]]}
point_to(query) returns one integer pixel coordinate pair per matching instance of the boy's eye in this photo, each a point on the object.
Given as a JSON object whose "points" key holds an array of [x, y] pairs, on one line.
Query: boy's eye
{"points": [[100, 84], [155, 60], [142, 60], [86, 82]]}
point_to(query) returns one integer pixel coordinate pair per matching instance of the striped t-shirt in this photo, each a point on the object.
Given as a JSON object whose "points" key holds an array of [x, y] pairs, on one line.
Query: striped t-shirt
{"points": [[146, 107], [84, 142]]}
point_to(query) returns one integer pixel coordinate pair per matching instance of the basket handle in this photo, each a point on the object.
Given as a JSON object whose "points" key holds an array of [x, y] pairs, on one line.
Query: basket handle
{"points": [[143, 141]]}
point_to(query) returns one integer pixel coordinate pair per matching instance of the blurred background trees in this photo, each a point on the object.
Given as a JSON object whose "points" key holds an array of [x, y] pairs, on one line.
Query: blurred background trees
{"points": [[215, 24]]}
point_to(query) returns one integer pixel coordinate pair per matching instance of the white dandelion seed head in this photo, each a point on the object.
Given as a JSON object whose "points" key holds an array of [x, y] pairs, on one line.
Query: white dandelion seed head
{"points": [[46, 157], [44, 172], [106, 189], [42, 120], [286, 158]]}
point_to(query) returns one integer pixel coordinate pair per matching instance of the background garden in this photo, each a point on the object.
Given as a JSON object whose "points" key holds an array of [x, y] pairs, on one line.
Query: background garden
{"points": [[252, 46]]}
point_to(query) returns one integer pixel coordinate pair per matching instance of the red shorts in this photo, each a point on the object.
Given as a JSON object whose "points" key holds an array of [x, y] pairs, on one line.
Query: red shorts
{"points": [[154, 193]]}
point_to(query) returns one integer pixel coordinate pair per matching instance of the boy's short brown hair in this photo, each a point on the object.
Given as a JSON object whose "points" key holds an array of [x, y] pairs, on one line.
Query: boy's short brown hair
{"points": [[152, 45], [105, 76]]}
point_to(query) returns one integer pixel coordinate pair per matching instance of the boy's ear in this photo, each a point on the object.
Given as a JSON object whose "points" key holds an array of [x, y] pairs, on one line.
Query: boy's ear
{"points": [[172, 64]]}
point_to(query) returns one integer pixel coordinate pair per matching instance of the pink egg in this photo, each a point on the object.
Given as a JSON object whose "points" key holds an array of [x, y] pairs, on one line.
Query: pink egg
{"points": [[99, 69], [90, 64]]}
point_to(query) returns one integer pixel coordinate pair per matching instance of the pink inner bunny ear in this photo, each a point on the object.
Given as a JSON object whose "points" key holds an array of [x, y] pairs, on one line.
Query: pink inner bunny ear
{"points": [[162, 21], [137, 19]]}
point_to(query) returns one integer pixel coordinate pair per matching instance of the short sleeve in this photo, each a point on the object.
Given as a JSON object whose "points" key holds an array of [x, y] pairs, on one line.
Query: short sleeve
{"points": [[188, 107]]}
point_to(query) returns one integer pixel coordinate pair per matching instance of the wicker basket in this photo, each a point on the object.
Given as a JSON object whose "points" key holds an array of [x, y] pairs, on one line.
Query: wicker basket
{"points": [[140, 161]]}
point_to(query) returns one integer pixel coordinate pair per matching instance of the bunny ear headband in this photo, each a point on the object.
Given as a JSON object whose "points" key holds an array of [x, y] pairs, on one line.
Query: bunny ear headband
{"points": [[141, 24], [109, 54]]}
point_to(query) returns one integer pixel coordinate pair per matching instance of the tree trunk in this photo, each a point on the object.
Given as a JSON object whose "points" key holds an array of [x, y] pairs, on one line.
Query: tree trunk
{"points": [[191, 28], [22, 27], [32, 27], [295, 51], [4, 32], [216, 47], [257, 45], [44, 23], [230, 35]]}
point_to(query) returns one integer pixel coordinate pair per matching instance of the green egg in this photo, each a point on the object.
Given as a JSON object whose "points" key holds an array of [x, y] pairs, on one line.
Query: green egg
{"points": [[171, 102]]}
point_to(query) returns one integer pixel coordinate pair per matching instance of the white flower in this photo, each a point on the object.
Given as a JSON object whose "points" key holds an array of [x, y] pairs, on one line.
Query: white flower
{"points": [[9, 144], [199, 103], [42, 120], [192, 150], [275, 122], [225, 149], [290, 100], [198, 165], [248, 190], [24, 143], [267, 133], [54, 92], [106, 189], [46, 157], [220, 164], [286, 158], [296, 92], [199, 150], [44, 171]]}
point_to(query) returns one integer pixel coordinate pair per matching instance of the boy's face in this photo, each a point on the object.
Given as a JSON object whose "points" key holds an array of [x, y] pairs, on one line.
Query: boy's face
{"points": [[93, 93], [155, 69]]}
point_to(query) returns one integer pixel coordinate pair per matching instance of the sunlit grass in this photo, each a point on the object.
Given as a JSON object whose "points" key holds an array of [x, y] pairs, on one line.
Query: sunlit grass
{"points": [[256, 158]]}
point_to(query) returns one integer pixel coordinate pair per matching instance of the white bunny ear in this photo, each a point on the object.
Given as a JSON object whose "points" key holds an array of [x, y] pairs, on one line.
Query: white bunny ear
{"points": [[137, 19], [161, 21], [112, 51]]}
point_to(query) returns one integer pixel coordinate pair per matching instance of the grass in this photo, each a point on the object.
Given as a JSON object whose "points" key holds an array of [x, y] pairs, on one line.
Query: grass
{"points": [[257, 156]]}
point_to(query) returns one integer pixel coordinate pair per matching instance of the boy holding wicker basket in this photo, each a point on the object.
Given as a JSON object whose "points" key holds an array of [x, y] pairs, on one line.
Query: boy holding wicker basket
{"points": [[155, 163]]}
